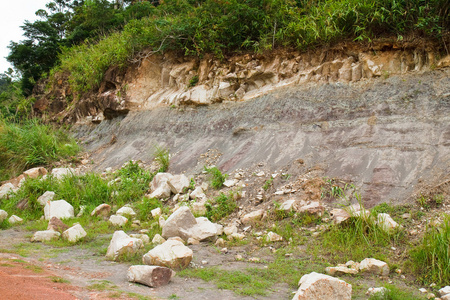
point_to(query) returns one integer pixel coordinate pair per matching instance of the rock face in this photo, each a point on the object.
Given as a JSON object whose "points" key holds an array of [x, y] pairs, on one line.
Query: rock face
{"points": [[44, 198], [102, 210], [152, 276], [46, 235], [121, 244], [374, 266], [172, 254], [316, 286], [60, 209], [179, 223], [178, 183], [74, 233]]}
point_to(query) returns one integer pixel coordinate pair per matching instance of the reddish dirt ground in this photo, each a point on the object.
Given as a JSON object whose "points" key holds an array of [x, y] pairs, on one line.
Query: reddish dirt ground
{"points": [[20, 280]]}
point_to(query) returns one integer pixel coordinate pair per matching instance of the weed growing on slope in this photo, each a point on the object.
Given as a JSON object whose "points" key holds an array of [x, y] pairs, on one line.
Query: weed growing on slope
{"points": [[220, 207], [217, 178], [162, 156], [431, 259]]}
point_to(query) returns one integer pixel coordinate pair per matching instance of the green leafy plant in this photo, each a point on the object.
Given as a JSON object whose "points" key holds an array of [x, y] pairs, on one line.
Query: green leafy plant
{"points": [[268, 184], [220, 207], [217, 178], [193, 81]]}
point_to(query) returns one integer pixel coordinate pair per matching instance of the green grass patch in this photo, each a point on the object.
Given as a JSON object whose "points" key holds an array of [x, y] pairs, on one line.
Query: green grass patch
{"points": [[396, 293], [431, 259], [31, 144]]}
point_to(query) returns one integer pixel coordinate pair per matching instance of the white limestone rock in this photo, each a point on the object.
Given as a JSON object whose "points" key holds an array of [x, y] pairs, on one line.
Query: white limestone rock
{"points": [[35, 172], [158, 239], [102, 210], [179, 223], [197, 193], [126, 211], [152, 276], [287, 205], [273, 237], [230, 229], [7, 188], [374, 266], [252, 217], [45, 235], [205, 229], [121, 243], [74, 233], [444, 291], [374, 291], [143, 237], [316, 286], [118, 220], [339, 270], [313, 208], [46, 197], [158, 180], [156, 213], [162, 192], [3, 215], [178, 183], [172, 254], [60, 173], [339, 215], [14, 219], [230, 182], [386, 223], [60, 209], [199, 208]]}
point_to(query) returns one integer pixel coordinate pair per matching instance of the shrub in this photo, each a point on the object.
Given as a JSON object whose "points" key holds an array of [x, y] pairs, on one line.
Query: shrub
{"points": [[162, 156], [216, 177], [221, 207]]}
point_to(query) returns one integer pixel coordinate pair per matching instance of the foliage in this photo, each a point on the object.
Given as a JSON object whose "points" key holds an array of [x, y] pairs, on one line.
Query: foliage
{"points": [[268, 184], [221, 27], [431, 259], [216, 177], [394, 293], [221, 207], [32, 144]]}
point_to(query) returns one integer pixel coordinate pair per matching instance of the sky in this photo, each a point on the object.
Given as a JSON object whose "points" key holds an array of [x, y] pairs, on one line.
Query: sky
{"points": [[12, 15]]}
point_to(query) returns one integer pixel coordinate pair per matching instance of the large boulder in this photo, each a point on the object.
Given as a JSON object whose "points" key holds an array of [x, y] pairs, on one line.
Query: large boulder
{"points": [[374, 266], [172, 254], [102, 210], [158, 180], [3, 215], [179, 223], [162, 192], [45, 197], [121, 243], [60, 173], [153, 276], [60, 209], [74, 233], [6, 189], [316, 286], [35, 172], [205, 229], [178, 183], [45, 235]]}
